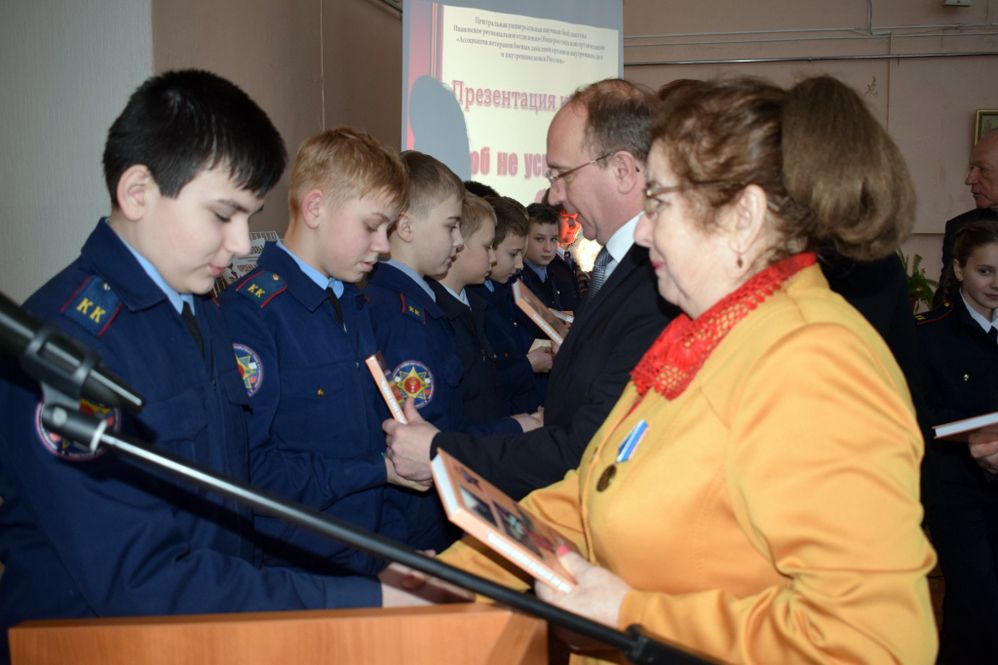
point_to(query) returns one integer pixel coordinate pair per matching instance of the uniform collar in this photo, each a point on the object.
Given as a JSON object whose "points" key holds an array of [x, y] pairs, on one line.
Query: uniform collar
{"points": [[977, 317], [316, 276], [414, 276], [107, 254], [448, 303], [540, 271], [308, 289], [461, 297]]}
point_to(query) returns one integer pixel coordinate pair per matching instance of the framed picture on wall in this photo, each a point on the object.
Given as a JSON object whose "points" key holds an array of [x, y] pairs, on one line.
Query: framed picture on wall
{"points": [[986, 121]]}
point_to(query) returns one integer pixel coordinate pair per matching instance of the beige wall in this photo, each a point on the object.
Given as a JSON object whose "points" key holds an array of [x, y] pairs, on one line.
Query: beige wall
{"points": [[68, 66], [311, 64], [66, 70], [927, 103], [362, 65], [270, 48]]}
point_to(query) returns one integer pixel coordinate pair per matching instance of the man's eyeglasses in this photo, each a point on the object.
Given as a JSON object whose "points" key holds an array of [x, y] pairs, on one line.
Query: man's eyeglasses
{"points": [[554, 176]]}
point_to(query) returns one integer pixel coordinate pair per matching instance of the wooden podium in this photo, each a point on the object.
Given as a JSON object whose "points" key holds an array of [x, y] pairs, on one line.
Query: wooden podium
{"points": [[434, 635]]}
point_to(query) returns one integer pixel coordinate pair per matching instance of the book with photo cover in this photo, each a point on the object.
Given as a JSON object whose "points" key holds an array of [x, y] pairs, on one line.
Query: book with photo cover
{"points": [[959, 430], [552, 325], [489, 515], [376, 366]]}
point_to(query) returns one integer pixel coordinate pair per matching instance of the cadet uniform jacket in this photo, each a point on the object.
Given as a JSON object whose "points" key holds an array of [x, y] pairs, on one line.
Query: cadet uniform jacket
{"points": [[417, 343], [105, 537], [511, 342], [485, 406], [315, 424], [418, 346]]}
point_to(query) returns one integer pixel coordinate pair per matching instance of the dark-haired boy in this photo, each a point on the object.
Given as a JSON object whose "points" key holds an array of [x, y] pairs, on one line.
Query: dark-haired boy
{"points": [[187, 163], [545, 273]]}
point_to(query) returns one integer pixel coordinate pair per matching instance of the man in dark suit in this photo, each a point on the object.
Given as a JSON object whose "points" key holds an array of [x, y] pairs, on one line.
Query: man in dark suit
{"points": [[982, 178], [596, 150]]}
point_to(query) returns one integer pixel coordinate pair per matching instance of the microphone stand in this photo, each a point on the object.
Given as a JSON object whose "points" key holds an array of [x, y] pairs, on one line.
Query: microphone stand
{"points": [[634, 644], [68, 371]]}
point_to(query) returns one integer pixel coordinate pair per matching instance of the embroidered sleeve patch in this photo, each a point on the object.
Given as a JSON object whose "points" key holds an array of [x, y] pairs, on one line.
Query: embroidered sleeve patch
{"points": [[93, 306], [71, 450], [262, 287], [413, 380], [250, 368]]}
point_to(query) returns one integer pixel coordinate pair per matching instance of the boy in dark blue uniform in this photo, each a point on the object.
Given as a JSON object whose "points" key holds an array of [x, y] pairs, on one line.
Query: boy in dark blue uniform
{"points": [[187, 163], [483, 394], [508, 337], [412, 333], [414, 337], [301, 334], [545, 273]]}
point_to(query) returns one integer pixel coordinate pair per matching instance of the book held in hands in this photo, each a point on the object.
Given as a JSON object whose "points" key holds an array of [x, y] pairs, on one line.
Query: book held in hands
{"points": [[959, 430], [552, 325], [393, 399], [492, 517]]}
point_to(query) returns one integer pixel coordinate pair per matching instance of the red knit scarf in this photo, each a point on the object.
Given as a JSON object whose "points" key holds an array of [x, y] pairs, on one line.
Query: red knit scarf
{"points": [[684, 346]]}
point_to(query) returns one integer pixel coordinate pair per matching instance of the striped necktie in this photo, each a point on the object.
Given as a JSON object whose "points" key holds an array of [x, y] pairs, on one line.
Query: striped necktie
{"points": [[598, 276]]}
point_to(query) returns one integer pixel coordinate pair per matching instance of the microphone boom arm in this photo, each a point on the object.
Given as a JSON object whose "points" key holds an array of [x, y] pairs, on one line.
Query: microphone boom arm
{"points": [[77, 427]]}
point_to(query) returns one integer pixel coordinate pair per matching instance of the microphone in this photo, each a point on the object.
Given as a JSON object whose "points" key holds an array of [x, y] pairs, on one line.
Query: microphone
{"points": [[56, 360]]}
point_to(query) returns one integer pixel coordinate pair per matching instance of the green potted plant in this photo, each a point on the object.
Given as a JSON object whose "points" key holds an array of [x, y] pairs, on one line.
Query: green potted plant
{"points": [[920, 287]]}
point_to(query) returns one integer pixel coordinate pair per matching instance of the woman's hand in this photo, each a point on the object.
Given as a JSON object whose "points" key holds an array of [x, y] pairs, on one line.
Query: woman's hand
{"points": [[598, 593]]}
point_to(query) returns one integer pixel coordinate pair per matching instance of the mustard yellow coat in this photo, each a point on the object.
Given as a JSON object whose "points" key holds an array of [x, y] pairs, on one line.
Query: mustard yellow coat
{"points": [[770, 514]]}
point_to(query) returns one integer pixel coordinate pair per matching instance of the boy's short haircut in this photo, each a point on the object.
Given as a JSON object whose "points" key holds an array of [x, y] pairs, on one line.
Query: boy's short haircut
{"points": [[182, 122], [430, 182], [511, 218], [538, 213], [347, 163], [474, 211]]}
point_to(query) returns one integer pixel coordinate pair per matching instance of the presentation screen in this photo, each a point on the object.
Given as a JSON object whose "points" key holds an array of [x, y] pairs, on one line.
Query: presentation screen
{"points": [[483, 78]]}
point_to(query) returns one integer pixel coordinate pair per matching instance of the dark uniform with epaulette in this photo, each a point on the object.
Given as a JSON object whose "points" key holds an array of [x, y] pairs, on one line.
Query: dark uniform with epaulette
{"points": [[960, 362], [560, 289], [102, 537], [417, 344], [485, 405], [315, 413], [511, 343]]}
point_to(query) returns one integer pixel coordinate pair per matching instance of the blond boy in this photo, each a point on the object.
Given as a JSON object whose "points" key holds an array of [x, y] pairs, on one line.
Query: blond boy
{"points": [[301, 331]]}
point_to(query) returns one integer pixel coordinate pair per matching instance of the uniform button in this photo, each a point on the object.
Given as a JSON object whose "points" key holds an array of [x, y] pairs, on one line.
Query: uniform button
{"points": [[966, 377], [607, 478], [320, 392]]}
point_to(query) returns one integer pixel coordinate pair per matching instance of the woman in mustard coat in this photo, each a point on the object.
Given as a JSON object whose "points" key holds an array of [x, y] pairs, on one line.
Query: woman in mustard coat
{"points": [[765, 506]]}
